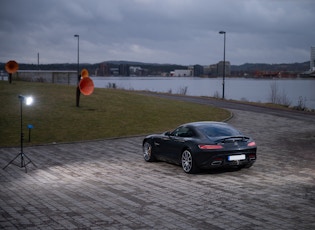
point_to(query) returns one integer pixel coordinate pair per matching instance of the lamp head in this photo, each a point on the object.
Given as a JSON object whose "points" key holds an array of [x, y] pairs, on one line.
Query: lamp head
{"points": [[222, 32], [76, 35], [27, 100]]}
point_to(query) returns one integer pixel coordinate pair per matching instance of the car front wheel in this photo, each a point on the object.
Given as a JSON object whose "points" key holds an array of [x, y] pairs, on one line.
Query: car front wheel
{"points": [[147, 152], [188, 164]]}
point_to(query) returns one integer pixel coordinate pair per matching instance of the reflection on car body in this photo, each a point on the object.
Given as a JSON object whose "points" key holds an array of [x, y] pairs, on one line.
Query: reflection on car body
{"points": [[201, 145]]}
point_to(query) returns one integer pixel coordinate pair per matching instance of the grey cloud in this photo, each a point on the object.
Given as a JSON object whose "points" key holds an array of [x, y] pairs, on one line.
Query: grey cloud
{"points": [[174, 31]]}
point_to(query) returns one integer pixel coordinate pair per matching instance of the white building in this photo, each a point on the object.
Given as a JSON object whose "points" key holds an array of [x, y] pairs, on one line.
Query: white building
{"points": [[182, 73]]}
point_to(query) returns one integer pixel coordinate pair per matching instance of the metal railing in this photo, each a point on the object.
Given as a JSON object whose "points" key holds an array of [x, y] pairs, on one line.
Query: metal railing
{"points": [[56, 77]]}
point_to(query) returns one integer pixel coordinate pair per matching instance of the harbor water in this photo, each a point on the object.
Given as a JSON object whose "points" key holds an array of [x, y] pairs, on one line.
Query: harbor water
{"points": [[295, 92]]}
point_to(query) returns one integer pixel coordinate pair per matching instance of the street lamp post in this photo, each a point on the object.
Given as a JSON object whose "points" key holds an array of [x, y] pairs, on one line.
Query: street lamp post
{"points": [[79, 77], [223, 83]]}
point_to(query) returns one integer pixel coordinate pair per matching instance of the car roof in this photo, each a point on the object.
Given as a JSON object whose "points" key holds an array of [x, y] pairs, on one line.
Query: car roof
{"points": [[200, 123]]}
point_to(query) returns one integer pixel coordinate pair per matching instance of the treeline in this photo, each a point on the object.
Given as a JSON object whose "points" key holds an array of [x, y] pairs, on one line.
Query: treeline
{"points": [[152, 68], [250, 67], [156, 69]]}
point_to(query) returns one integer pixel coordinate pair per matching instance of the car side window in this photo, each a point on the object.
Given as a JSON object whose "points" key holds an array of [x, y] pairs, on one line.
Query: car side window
{"points": [[183, 132]]}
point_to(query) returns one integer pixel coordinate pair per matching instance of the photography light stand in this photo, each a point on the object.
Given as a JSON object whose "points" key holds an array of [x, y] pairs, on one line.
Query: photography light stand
{"points": [[28, 101]]}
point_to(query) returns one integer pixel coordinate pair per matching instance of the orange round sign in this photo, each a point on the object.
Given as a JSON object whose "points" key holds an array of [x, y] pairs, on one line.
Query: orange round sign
{"points": [[84, 73], [11, 66], [86, 86]]}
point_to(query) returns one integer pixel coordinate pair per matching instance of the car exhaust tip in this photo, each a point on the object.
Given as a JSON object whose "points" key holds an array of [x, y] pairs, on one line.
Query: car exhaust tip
{"points": [[216, 163]]}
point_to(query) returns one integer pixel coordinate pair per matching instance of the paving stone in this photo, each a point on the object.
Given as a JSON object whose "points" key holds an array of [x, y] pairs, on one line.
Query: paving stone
{"points": [[106, 184]]}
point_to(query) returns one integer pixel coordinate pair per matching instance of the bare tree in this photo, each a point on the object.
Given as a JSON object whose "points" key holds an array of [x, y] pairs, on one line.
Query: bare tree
{"points": [[274, 93]]}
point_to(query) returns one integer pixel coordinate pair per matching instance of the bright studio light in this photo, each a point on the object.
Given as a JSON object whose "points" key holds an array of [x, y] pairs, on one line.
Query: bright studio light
{"points": [[27, 100]]}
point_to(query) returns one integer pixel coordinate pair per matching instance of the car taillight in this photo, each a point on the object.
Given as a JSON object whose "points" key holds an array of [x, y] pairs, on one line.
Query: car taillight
{"points": [[251, 144], [210, 146]]}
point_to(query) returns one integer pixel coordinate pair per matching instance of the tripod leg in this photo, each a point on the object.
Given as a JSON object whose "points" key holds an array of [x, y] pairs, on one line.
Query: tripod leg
{"points": [[29, 160], [12, 161], [23, 164], [22, 160]]}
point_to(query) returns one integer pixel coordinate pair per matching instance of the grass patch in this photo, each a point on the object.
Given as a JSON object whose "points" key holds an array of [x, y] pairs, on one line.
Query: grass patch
{"points": [[106, 113]]}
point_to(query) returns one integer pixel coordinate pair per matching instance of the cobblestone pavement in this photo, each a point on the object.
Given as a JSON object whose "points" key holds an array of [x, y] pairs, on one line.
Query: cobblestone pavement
{"points": [[107, 185]]}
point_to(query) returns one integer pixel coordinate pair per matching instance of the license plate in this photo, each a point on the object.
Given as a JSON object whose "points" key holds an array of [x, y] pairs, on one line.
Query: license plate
{"points": [[237, 157]]}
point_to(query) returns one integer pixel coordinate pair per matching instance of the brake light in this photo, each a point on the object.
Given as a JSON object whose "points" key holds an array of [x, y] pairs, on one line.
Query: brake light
{"points": [[210, 146], [251, 144]]}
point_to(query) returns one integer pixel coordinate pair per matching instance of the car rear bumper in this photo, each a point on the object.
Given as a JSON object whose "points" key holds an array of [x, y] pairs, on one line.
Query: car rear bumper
{"points": [[210, 160]]}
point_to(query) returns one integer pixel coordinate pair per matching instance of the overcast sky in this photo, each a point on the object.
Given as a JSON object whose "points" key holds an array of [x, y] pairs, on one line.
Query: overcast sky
{"points": [[157, 31]]}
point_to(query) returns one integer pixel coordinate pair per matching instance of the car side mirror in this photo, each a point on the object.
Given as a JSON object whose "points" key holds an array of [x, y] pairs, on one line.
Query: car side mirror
{"points": [[168, 133]]}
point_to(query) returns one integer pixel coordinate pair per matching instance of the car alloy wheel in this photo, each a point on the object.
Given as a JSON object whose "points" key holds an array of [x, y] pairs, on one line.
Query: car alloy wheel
{"points": [[147, 152], [187, 162]]}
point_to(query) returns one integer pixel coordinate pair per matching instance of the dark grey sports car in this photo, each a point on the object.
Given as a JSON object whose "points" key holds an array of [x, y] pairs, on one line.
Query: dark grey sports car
{"points": [[201, 145]]}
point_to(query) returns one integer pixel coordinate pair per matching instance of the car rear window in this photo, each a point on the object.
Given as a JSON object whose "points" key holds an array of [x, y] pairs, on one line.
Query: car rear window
{"points": [[219, 131]]}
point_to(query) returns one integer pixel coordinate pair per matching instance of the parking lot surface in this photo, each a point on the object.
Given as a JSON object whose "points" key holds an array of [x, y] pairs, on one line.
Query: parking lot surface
{"points": [[106, 184]]}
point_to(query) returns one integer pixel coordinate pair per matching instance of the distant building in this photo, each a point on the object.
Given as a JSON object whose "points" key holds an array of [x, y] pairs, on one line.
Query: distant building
{"points": [[213, 70], [182, 73], [114, 71], [135, 71], [227, 68], [103, 70], [198, 70], [312, 60], [216, 70], [206, 70], [123, 70], [210, 70]]}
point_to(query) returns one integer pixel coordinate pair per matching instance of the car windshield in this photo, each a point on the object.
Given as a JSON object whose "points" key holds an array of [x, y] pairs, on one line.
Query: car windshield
{"points": [[219, 130]]}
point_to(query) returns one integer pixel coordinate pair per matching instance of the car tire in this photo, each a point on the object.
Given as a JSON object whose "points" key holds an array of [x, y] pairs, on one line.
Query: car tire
{"points": [[187, 162], [148, 152]]}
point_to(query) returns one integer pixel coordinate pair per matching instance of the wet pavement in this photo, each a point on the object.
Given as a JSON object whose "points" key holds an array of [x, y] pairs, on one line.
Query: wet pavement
{"points": [[106, 184]]}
